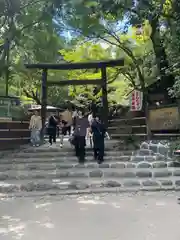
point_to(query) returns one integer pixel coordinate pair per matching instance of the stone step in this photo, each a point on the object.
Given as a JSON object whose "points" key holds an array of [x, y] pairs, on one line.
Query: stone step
{"points": [[41, 154], [89, 165], [56, 149], [159, 148], [73, 159], [62, 159], [90, 173], [55, 187], [61, 154], [165, 186]]}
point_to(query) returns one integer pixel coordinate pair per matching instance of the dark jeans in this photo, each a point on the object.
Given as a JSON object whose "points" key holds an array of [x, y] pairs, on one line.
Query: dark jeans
{"points": [[52, 135], [80, 143], [98, 149], [57, 132], [65, 130]]}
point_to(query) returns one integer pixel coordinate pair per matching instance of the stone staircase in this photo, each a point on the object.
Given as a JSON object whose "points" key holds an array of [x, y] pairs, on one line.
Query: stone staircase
{"points": [[42, 171]]}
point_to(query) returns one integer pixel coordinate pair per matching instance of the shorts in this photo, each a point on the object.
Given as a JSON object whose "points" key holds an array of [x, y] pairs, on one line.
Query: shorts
{"points": [[66, 130]]}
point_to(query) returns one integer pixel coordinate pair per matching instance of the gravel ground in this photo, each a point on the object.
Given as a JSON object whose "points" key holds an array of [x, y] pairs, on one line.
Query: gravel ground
{"points": [[141, 216]]}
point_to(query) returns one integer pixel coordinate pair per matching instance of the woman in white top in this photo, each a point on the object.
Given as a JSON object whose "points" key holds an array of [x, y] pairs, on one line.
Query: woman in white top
{"points": [[35, 127], [90, 120]]}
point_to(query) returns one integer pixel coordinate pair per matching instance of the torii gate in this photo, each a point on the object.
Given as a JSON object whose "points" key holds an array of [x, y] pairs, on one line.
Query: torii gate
{"points": [[75, 66]]}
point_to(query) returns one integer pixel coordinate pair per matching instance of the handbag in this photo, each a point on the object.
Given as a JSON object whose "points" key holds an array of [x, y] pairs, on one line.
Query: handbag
{"points": [[72, 140]]}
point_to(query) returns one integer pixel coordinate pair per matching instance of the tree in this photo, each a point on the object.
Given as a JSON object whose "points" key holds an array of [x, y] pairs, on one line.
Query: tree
{"points": [[118, 84], [32, 36], [101, 20], [42, 47], [23, 21]]}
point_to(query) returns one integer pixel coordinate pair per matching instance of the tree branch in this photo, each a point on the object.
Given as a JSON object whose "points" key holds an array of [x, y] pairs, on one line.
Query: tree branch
{"points": [[120, 45], [33, 95], [130, 78], [115, 76], [29, 3]]}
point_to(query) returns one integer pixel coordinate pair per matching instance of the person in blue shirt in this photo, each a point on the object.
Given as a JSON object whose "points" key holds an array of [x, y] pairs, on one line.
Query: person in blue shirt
{"points": [[98, 130]]}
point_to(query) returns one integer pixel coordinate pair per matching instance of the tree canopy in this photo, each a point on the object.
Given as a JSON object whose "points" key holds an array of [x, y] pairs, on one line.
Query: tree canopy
{"points": [[145, 33]]}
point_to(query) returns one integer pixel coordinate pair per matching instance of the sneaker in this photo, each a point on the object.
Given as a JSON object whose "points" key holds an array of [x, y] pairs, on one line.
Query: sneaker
{"points": [[61, 145], [82, 162], [100, 161], [37, 145]]}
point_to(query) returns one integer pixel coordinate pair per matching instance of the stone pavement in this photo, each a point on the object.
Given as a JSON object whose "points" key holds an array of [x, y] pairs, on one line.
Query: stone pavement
{"points": [[147, 216]]}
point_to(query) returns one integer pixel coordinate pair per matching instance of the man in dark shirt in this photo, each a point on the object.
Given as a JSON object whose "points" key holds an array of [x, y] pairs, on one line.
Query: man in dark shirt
{"points": [[52, 128], [98, 130], [80, 131]]}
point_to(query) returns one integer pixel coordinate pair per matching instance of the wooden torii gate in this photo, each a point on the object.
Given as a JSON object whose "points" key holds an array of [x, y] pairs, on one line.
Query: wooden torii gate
{"points": [[75, 66]]}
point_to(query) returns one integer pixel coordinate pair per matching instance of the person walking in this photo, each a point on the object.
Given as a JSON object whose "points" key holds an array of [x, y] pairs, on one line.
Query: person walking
{"points": [[80, 132], [66, 123], [52, 129], [90, 120], [35, 126], [74, 116], [98, 130]]}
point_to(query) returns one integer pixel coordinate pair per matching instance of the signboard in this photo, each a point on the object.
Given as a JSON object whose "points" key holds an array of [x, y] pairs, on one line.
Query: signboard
{"points": [[5, 119], [5, 101], [164, 118], [136, 101]]}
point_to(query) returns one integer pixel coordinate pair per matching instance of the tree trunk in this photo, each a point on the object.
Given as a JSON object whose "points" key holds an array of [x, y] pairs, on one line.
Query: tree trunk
{"points": [[166, 79]]}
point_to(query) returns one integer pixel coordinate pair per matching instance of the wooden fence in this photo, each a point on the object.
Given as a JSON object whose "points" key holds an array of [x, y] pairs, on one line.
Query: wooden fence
{"points": [[13, 134], [161, 123]]}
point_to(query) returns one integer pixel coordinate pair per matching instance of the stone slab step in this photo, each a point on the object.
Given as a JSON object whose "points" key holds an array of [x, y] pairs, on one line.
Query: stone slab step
{"points": [[70, 159], [52, 165], [141, 152], [90, 173], [22, 188], [57, 149], [62, 154], [90, 191], [137, 154], [63, 159]]}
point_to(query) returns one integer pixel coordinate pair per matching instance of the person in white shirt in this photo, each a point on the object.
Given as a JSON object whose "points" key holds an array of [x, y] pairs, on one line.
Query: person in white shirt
{"points": [[35, 127], [90, 118], [74, 118], [89, 134]]}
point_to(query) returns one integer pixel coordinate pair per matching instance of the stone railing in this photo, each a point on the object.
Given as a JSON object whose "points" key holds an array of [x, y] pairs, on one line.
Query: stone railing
{"points": [[13, 134]]}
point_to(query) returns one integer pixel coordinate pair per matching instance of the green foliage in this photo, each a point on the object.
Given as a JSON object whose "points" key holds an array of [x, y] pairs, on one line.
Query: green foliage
{"points": [[33, 37], [100, 21], [33, 30], [118, 85]]}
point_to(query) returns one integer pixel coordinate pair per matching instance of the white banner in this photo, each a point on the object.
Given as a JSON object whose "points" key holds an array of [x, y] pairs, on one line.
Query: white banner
{"points": [[136, 101]]}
